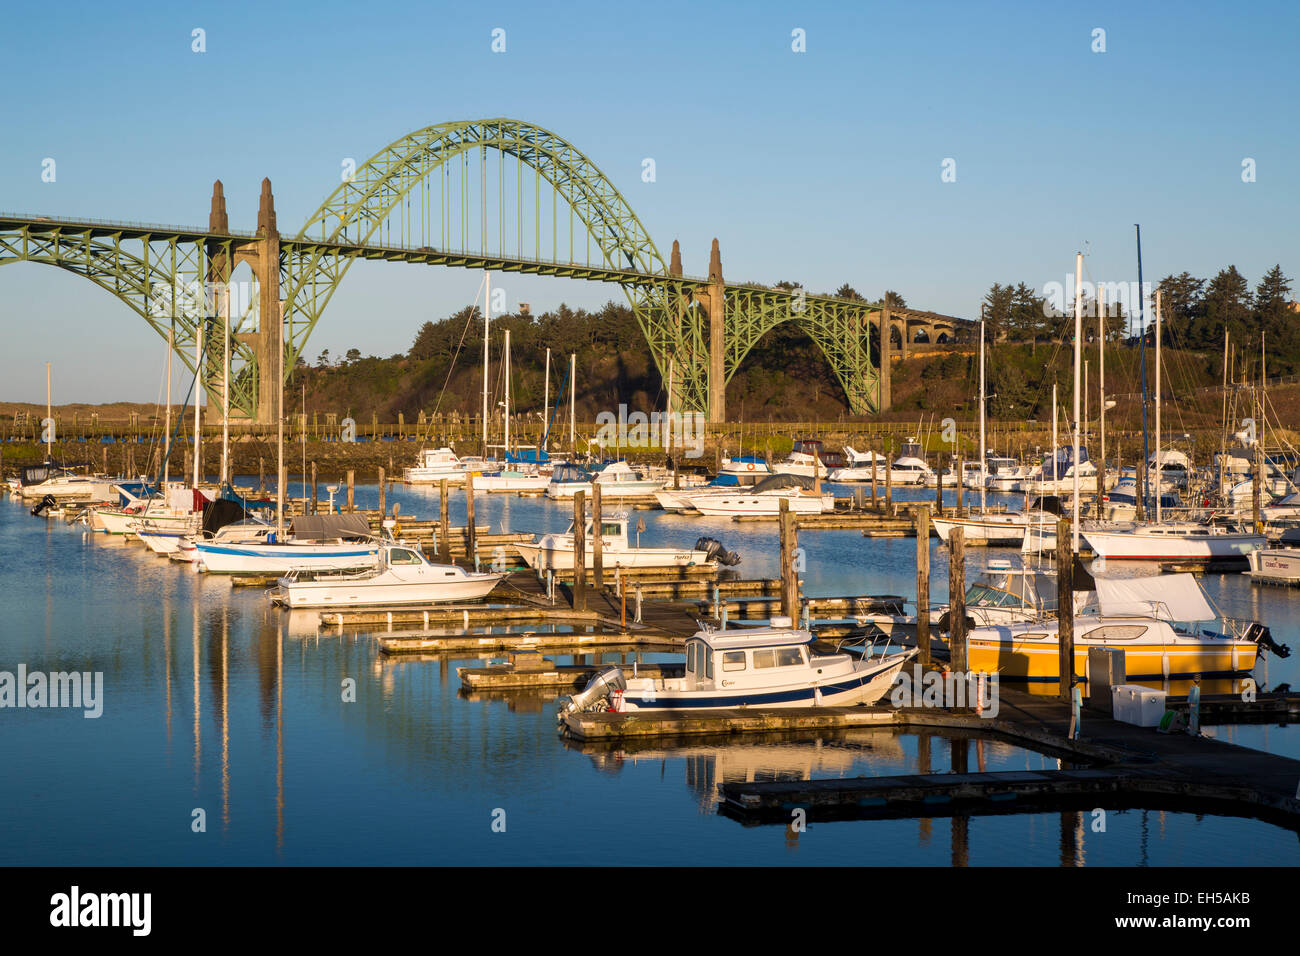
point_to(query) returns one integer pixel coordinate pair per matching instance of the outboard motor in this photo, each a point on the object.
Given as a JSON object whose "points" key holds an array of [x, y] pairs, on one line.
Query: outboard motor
{"points": [[1262, 636], [45, 505], [716, 552], [601, 686]]}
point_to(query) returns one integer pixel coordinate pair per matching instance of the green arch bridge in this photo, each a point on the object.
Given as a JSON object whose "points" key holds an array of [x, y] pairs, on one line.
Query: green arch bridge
{"points": [[495, 194]]}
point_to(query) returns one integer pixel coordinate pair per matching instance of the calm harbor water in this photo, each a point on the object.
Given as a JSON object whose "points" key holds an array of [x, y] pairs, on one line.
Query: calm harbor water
{"points": [[214, 703]]}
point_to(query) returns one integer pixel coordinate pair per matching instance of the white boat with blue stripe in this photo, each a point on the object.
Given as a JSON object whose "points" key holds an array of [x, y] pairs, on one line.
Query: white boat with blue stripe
{"points": [[765, 667]]}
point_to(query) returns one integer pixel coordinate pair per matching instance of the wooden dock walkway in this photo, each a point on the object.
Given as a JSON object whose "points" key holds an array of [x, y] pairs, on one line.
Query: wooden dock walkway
{"points": [[1127, 766]]}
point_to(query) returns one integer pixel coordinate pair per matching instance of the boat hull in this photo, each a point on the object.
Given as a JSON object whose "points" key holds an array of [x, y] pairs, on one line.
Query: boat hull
{"points": [[282, 558], [1131, 546], [1275, 564], [1040, 660], [362, 593], [541, 558], [866, 684]]}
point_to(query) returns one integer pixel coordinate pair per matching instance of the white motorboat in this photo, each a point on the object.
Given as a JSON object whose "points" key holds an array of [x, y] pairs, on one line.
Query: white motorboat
{"points": [[402, 576], [555, 551], [434, 465], [1003, 473], [616, 479], [809, 456], [861, 467], [316, 543], [995, 527], [745, 465], [1173, 541], [1056, 474], [512, 480], [1280, 565], [764, 499], [909, 468], [247, 531], [37, 481], [682, 499], [765, 667]]}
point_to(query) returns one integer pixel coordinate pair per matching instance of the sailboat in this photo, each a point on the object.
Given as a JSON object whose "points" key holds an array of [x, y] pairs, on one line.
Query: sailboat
{"points": [[1171, 541], [985, 526], [520, 476]]}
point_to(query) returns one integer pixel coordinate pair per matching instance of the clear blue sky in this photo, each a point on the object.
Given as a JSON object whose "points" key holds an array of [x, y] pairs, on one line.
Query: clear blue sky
{"points": [[821, 167]]}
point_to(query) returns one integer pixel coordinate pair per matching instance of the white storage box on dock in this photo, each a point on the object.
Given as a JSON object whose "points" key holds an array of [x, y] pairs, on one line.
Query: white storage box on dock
{"points": [[1135, 704]]}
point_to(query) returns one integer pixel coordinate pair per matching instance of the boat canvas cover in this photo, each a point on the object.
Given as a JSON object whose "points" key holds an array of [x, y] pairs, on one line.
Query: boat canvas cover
{"points": [[784, 480], [324, 527], [1171, 597], [221, 512]]}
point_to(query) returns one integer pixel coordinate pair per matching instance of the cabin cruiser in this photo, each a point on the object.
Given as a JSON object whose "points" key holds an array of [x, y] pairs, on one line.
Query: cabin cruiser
{"points": [[402, 576], [1281, 565], [996, 527], [36, 482], [742, 466], [909, 468], [315, 542], [1056, 474], [808, 456], [1182, 541], [517, 478], [176, 509], [1165, 625], [435, 465], [1173, 471], [615, 478], [555, 551], [763, 667], [861, 467], [764, 499], [1120, 503], [1003, 473], [681, 499]]}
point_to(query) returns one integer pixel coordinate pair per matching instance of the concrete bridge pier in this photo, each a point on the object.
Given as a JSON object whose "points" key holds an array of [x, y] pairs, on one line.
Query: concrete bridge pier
{"points": [[715, 303], [267, 343]]}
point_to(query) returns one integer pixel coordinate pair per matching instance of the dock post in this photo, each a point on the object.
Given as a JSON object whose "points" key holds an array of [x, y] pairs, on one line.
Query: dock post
{"points": [[923, 583], [889, 485], [717, 611], [622, 594], [597, 544], [579, 551], [789, 572], [874, 502], [1194, 708], [638, 604], [261, 476], [352, 487], [550, 584], [444, 526], [722, 621], [383, 494], [1065, 605], [938, 488], [957, 599], [471, 536], [315, 492], [957, 464]]}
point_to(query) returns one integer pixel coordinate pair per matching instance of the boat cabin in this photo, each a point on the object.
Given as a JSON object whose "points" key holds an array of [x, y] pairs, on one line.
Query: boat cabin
{"points": [[758, 657]]}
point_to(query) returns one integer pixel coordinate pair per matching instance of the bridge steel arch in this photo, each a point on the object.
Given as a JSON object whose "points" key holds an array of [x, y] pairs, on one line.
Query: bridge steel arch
{"points": [[699, 330]]}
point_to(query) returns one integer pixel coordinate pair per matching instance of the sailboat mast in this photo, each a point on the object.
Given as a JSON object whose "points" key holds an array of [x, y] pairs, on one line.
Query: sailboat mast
{"points": [[983, 459], [1159, 460], [167, 416], [198, 382], [1142, 352], [487, 314], [279, 423], [573, 405], [1101, 375], [1078, 354], [546, 396], [1055, 476], [507, 426]]}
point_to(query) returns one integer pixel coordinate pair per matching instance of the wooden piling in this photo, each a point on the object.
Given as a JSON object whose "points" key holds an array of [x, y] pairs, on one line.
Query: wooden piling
{"points": [[315, 491], [923, 583], [383, 493], [1065, 604], [444, 524], [889, 485], [957, 466], [597, 544], [874, 503], [789, 538], [471, 532], [579, 551], [938, 487], [957, 599], [352, 484]]}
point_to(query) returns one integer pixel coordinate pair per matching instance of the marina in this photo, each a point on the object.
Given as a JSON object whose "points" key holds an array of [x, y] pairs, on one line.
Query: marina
{"points": [[454, 470]]}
